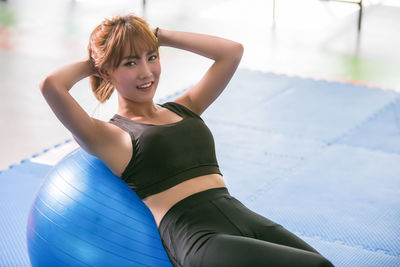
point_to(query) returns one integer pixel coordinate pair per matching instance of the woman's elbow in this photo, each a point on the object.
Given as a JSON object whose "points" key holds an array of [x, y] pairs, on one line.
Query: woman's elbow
{"points": [[239, 48], [41, 85], [46, 85], [237, 51]]}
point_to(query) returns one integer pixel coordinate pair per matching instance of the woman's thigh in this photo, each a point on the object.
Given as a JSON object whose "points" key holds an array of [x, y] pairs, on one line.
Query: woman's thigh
{"points": [[220, 231], [251, 224], [227, 250]]}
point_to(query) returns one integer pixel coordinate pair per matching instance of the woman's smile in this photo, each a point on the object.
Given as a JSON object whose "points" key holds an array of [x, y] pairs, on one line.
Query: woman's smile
{"points": [[145, 86]]}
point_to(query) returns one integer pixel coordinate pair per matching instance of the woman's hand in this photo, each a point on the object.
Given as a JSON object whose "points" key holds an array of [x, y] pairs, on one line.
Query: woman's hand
{"points": [[94, 70]]}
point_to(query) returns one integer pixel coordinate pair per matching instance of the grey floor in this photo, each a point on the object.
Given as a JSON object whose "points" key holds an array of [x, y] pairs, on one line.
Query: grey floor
{"points": [[309, 38]]}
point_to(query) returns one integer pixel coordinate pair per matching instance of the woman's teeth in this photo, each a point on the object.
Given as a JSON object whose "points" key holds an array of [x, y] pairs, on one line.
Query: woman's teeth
{"points": [[144, 85]]}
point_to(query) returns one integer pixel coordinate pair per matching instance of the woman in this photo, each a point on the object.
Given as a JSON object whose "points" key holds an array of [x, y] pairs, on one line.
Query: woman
{"points": [[165, 152]]}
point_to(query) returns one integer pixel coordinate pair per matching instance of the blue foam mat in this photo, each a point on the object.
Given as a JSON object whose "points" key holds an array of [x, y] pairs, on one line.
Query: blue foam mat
{"points": [[17, 191], [321, 158]]}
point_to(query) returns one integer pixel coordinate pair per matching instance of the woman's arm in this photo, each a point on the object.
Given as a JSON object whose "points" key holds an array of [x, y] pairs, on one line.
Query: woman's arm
{"points": [[226, 55], [95, 136]]}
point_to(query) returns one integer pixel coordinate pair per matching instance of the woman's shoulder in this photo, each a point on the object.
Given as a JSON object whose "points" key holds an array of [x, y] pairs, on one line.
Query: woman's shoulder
{"points": [[180, 109]]}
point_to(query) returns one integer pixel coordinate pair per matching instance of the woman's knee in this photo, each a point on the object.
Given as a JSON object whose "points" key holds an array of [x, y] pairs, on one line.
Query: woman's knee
{"points": [[323, 262]]}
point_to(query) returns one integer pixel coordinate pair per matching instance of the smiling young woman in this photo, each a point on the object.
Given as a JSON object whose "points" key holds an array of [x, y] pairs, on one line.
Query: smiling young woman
{"points": [[165, 152]]}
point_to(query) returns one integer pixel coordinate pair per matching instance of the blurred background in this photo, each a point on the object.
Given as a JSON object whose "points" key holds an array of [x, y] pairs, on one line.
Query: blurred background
{"points": [[308, 38]]}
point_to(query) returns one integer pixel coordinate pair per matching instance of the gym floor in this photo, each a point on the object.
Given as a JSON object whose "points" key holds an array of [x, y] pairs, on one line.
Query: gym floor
{"points": [[309, 38]]}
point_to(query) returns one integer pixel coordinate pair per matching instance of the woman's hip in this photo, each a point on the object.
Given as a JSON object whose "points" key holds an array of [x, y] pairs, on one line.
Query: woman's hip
{"points": [[193, 221]]}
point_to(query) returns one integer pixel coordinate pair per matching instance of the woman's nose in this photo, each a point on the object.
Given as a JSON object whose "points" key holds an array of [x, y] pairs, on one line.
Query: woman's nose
{"points": [[145, 71]]}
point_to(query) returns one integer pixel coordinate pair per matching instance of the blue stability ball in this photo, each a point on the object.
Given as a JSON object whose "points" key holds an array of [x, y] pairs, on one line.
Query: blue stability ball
{"points": [[85, 215]]}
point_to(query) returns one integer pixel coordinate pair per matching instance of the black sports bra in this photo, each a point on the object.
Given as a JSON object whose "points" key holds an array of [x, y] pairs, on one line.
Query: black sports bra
{"points": [[166, 155]]}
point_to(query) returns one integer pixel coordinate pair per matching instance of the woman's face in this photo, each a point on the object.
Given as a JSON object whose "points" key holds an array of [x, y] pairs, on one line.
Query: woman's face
{"points": [[136, 78]]}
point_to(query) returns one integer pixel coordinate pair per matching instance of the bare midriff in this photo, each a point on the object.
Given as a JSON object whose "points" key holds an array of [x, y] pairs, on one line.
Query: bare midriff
{"points": [[160, 203]]}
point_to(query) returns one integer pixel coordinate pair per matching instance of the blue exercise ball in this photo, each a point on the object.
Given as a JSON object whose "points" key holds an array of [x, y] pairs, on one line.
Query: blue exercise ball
{"points": [[85, 215]]}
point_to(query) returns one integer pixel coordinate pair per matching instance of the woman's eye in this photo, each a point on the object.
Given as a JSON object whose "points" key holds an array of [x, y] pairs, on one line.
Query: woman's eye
{"points": [[130, 63], [153, 57]]}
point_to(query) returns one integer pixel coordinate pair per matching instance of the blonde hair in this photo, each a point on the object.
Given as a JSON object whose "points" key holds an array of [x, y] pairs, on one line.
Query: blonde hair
{"points": [[107, 45]]}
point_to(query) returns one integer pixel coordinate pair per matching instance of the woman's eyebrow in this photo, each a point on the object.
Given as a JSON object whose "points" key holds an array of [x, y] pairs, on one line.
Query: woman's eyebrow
{"points": [[137, 57], [131, 57]]}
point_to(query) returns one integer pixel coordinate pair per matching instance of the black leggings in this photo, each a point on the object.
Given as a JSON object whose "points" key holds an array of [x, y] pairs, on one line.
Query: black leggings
{"points": [[212, 228]]}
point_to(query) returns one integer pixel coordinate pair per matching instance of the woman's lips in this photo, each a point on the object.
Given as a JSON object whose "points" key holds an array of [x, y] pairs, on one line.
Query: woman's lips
{"points": [[145, 86]]}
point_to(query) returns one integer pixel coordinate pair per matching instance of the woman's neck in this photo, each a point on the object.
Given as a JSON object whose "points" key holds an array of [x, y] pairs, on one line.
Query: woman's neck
{"points": [[132, 109]]}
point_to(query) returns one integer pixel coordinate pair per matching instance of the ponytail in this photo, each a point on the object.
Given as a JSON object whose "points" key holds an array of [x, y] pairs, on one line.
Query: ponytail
{"points": [[101, 88]]}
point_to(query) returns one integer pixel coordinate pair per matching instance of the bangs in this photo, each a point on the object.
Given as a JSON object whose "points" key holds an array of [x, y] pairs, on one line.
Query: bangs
{"points": [[141, 43], [132, 36]]}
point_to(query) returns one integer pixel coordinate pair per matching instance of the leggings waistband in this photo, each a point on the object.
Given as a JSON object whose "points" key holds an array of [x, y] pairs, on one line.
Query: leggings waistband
{"points": [[189, 202]]}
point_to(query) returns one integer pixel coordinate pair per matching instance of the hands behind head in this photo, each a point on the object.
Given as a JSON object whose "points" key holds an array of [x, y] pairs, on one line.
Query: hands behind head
{"points": [[93, 69]]}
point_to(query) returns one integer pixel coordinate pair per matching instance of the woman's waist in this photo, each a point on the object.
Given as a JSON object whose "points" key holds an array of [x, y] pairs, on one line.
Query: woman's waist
{"points": [[160, 203]]}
